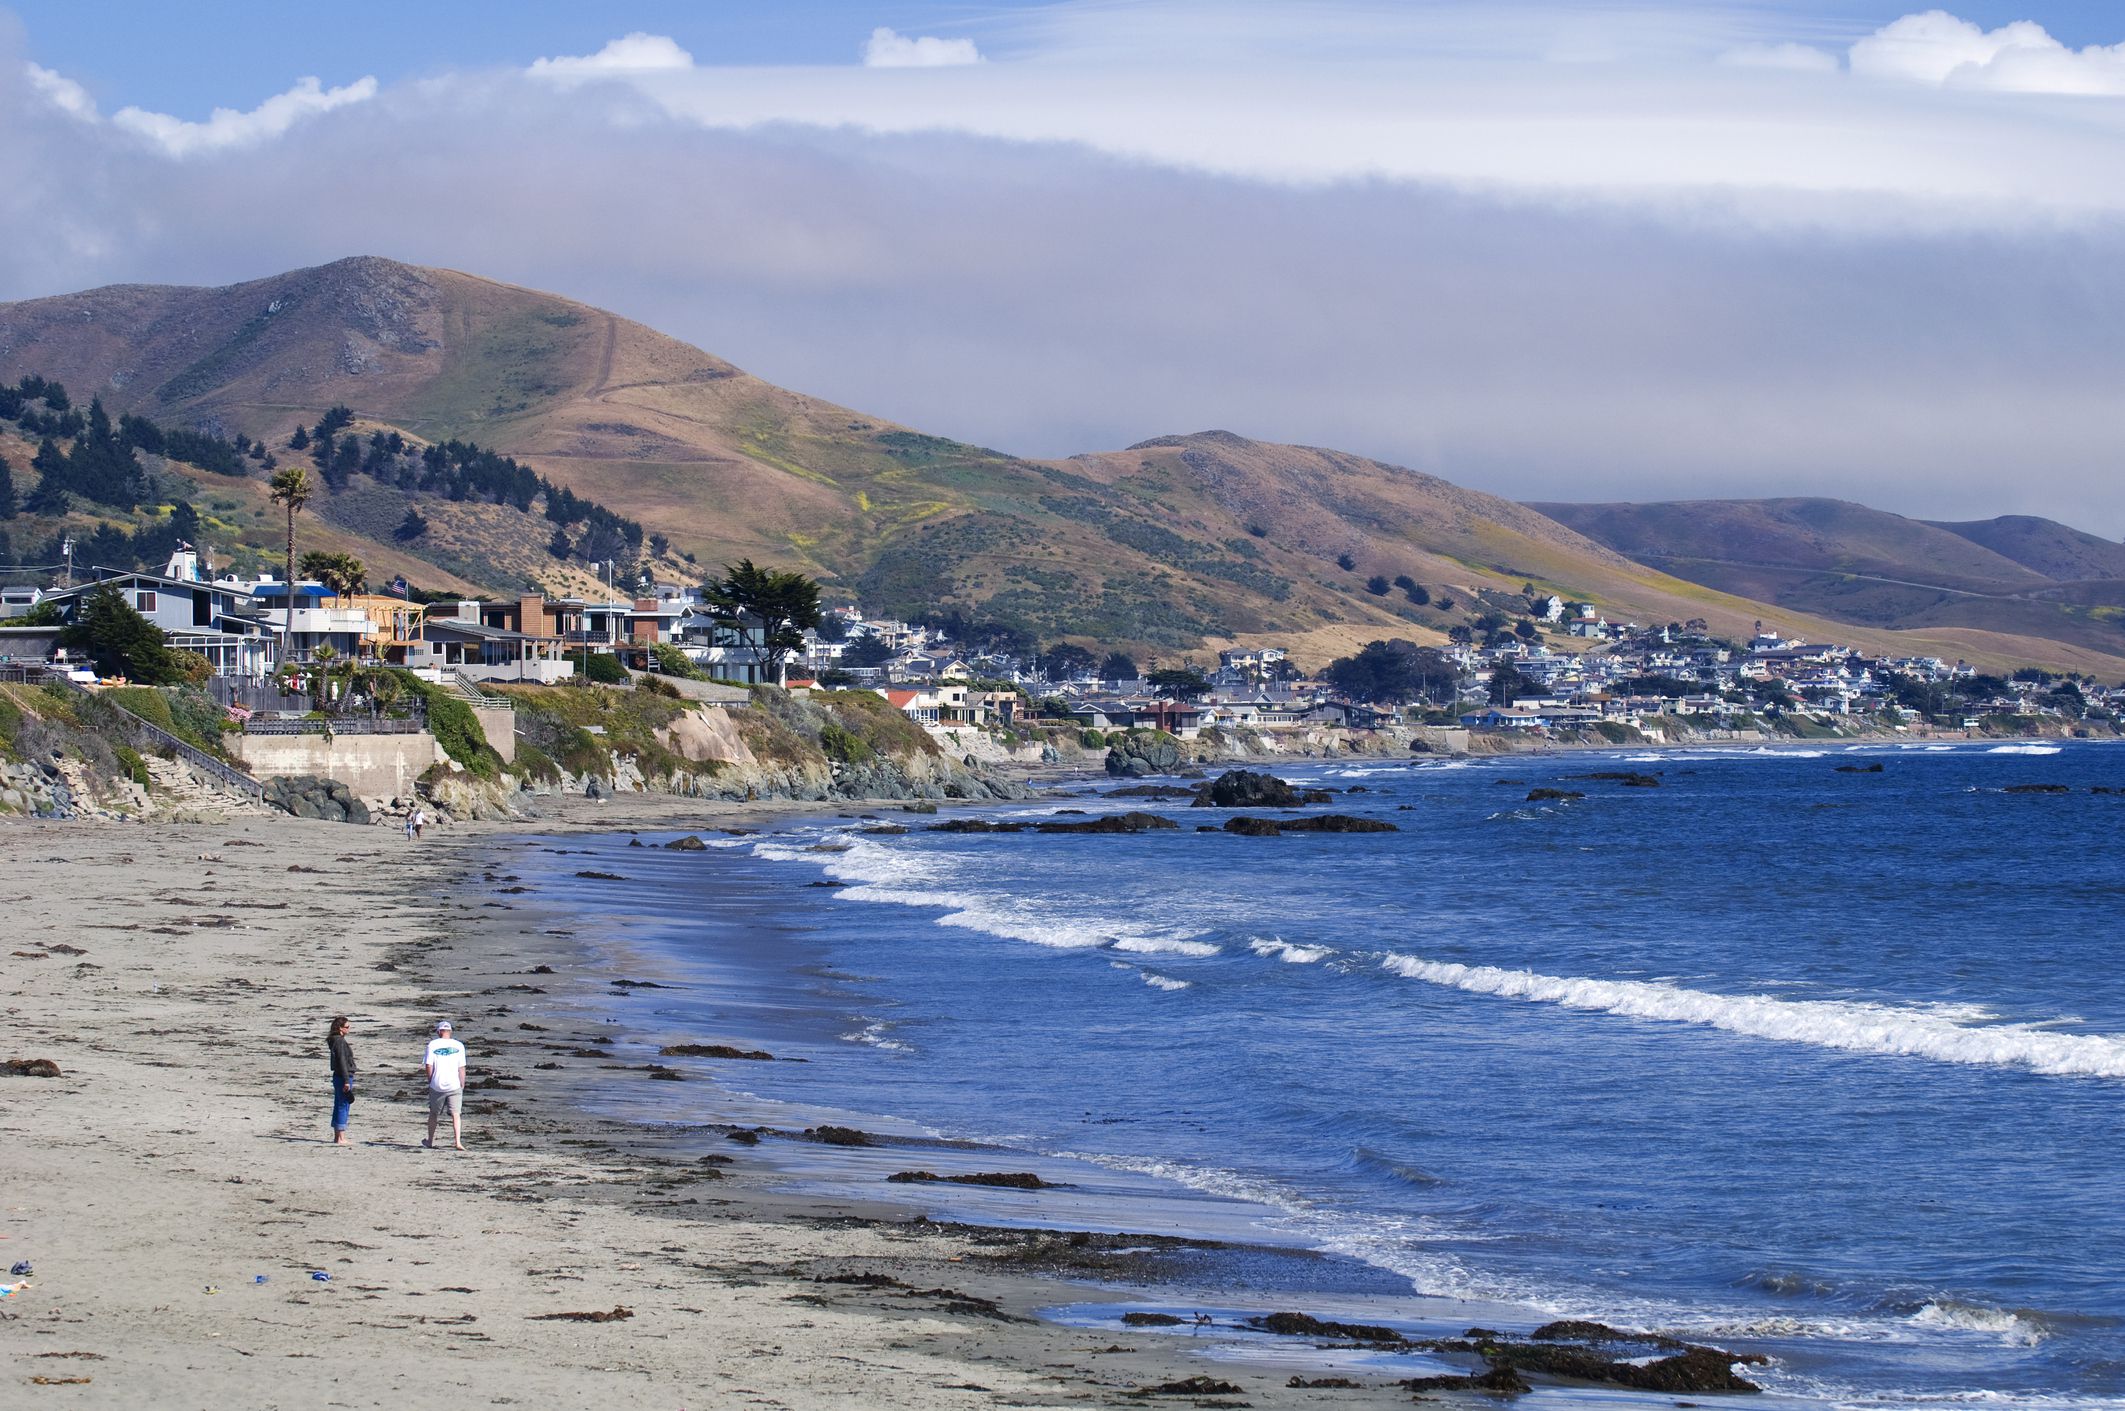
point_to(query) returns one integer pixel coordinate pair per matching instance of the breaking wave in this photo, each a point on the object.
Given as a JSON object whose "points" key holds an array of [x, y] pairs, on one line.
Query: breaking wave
{"points": [[1850, 1026], [2023, 749], [1277, 948]]}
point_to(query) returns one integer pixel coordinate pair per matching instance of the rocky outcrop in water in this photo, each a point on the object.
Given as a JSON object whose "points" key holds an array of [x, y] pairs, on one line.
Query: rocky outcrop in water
{"points": [[1134, 755]]}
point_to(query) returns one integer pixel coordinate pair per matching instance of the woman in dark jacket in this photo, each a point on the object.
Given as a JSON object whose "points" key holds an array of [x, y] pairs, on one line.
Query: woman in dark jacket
{"points": [[342, 1078]]}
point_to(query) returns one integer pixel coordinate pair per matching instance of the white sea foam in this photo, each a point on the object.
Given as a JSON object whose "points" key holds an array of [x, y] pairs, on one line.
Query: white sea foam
{"points": [[2023, 749], [1953, 1316], [1277, 948], [1163, 982], [909, 877], [1165, 945], [876, 1036], [1850, 1026]]}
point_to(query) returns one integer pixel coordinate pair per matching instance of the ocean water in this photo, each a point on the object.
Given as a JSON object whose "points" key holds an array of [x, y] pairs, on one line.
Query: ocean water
{"points": [[1826, 1065]]}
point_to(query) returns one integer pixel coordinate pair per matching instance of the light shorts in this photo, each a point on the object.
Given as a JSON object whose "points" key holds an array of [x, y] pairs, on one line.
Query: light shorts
{"points": [[442, 1103]]}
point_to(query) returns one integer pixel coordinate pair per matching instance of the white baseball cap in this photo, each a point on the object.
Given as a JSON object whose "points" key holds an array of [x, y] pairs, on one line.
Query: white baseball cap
{"points": [[442, 1026]]}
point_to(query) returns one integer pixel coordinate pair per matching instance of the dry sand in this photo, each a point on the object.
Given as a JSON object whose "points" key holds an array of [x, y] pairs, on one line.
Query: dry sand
{"points": [[185, 1152]]}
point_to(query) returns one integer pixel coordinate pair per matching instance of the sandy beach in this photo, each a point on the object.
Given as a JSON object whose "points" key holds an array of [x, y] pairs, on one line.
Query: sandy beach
{"points": [[178, 1197]]}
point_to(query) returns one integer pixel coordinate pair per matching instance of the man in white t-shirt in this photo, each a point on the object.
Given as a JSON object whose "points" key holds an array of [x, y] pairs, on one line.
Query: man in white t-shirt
{"points": [[446, 1083]]}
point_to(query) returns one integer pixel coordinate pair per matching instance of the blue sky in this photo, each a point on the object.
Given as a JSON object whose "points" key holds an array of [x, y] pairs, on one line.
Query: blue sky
{"points": [[188, 58], [1558, 249]]}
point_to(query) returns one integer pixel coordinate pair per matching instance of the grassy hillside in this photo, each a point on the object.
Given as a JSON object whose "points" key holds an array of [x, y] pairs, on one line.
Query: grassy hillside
{"points": [[1163, 547], [2045, 546]]}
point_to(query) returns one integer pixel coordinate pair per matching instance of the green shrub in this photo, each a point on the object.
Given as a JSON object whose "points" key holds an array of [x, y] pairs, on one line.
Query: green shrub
{"points": [[602, 670], [673, 662], [455, 727], [132, 765], [840, 744], [1091, 739]]}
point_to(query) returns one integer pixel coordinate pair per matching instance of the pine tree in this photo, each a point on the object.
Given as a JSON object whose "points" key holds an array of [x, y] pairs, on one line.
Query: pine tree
{"points": [[300, 441], [8, 503], [50, 496]]}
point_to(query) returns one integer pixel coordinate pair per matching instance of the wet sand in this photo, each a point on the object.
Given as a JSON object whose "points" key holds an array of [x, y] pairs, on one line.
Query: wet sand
{"points": [[176, 1189]]}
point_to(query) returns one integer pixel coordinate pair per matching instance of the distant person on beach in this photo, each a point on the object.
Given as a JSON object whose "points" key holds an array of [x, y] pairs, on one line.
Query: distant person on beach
{"points": [[342, 1078], [417, 822], [446, 1083]]}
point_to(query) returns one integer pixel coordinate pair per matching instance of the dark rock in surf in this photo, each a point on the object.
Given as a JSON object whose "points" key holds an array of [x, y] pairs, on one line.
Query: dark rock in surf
{"points": [[1874, 768], [1009, 1180], [1245, 788], [1247, 827], [1111, 823], [2036, 789], [1558, 795], [689, 843]]}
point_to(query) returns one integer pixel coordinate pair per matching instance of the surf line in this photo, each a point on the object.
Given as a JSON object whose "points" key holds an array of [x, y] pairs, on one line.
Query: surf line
{"points": [[1850, 1026]]}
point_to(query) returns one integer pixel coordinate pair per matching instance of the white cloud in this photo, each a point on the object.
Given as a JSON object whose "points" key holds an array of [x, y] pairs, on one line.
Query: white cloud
{"points": [[1938, 48], [635, 53], [1800, 58], [62, 92], [226, 127], [888, 49]]}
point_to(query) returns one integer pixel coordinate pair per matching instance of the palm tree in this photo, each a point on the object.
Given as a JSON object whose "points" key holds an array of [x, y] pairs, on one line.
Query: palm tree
{"points": [[344, 574], [291, 487]]}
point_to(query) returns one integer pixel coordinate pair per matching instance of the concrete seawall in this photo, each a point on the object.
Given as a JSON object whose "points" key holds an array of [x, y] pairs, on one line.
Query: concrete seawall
{"points": [[373, 766]]}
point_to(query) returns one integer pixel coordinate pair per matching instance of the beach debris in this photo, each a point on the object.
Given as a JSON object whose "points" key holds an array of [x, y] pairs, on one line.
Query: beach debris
{"points": [[743, 1137], [1012, 1180], [636, 985], [29, 1068], [260, 1279], [597, 876], [1498, 1381], [1306, 1326], [21, 1269], [62, 948], [60, 1381], [1190, 1386], [1324, 1384], [617, 1313], [714, 1051], [839, 1136], [320, 1276], [210, 1289], [1152, 1320]]}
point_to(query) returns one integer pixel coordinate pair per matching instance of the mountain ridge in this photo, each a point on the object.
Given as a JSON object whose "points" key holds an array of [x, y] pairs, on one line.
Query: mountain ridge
{"points": [[1167, 545]]}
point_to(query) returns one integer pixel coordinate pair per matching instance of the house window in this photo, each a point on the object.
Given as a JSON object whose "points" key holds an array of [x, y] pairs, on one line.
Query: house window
{"points": [[145, 601]]}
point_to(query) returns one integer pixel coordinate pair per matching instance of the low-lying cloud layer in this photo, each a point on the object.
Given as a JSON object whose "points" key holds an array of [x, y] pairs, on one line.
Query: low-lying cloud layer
{"points": [[1539, 255]]}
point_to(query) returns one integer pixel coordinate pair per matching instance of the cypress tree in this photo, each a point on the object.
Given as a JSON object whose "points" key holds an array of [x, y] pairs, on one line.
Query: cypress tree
{"points": [[9, 505]]}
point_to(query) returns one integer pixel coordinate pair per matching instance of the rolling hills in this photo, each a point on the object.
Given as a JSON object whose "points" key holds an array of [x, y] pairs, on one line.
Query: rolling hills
{"points": [[2016, 575], [1168, 545]]}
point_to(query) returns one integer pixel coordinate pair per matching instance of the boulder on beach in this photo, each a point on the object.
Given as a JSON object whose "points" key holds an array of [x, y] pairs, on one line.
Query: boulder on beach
{"points": [[1134, 756], [689, 843], [308, 796]]}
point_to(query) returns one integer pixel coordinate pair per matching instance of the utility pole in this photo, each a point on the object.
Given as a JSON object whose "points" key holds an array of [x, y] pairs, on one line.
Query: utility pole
{"points": [[67, 548]]}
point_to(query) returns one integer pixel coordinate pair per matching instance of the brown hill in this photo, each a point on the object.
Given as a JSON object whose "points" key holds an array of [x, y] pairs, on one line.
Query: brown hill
{"points": [[2018, 576], [1168, 545]]}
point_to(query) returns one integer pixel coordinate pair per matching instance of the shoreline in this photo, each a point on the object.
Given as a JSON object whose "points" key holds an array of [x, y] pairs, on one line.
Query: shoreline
{"points": [[183, 1154]]}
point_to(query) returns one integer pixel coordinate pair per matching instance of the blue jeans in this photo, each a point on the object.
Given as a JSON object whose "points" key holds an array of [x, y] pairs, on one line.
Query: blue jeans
{"points": [[342, 1103]]}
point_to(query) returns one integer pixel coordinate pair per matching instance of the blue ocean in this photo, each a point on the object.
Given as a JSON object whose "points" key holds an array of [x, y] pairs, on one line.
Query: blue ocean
{"points": [[1823, 1062]]}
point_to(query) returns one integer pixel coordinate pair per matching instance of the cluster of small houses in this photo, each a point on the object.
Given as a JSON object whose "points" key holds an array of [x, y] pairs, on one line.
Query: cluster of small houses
{"points": [[239, 625]]}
